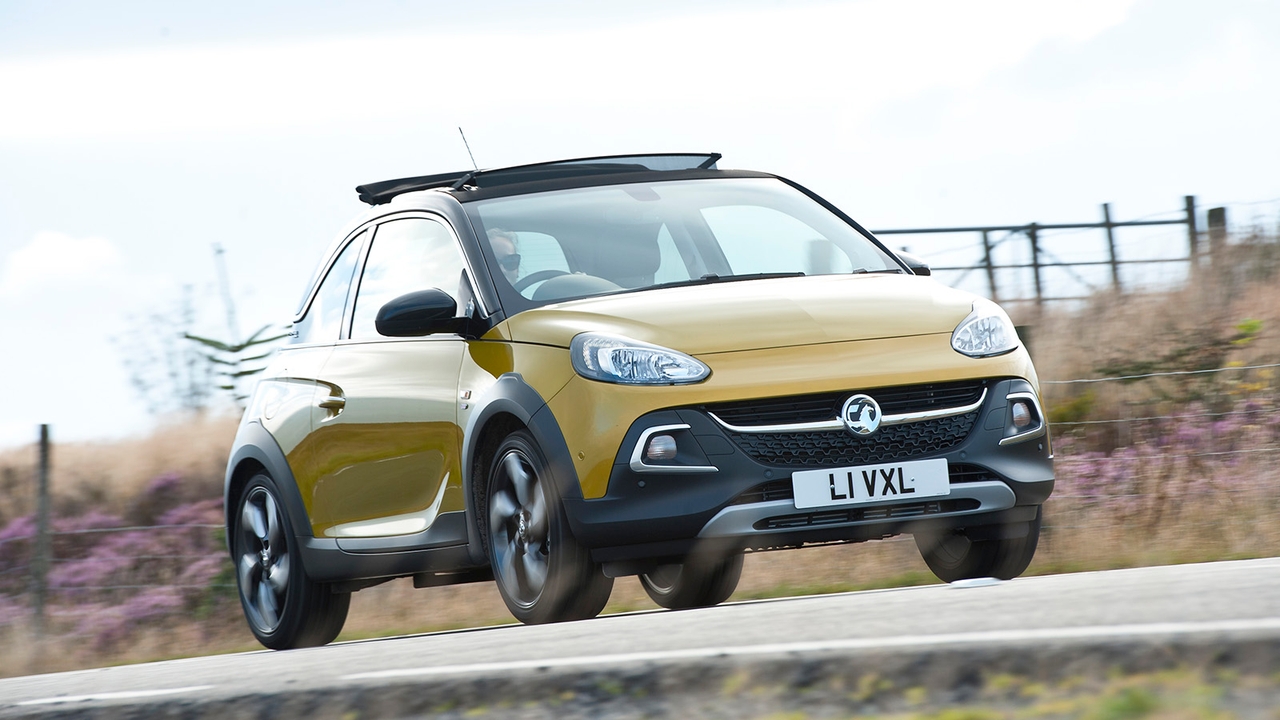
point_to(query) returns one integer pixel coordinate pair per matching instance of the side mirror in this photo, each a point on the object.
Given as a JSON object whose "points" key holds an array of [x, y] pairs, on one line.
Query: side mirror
{"points": [[418, 313], [918, 266]]}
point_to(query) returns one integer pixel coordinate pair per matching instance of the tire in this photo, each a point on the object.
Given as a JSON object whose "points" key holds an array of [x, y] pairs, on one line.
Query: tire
{"points": [[694, 583], [285, 609], [953, 556], [542, 573]]}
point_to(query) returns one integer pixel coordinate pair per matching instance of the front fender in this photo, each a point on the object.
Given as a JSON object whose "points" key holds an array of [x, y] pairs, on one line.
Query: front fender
{"points": [[511, 395]]}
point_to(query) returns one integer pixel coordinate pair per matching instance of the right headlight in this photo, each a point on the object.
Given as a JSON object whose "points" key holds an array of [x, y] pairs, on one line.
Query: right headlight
{"points": [[608, 358], [985, 332]]}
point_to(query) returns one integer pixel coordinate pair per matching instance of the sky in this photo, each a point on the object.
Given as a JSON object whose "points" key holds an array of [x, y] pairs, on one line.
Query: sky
{"points": [[134, 136]]}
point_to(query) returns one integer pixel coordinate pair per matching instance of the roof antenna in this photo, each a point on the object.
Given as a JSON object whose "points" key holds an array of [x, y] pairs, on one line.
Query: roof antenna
{"points": [[468, 146]]}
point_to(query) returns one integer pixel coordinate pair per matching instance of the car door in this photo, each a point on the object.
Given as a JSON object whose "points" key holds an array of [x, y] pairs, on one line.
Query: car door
{"points": [[387, 453]]}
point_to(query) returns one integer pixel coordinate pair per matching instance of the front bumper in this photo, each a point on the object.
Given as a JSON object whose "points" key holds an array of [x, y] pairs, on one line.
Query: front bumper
{"points": [[737, 496]]}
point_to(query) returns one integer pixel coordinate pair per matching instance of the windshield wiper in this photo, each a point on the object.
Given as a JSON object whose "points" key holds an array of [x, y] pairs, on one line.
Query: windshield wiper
{"points": [[710, 278]]}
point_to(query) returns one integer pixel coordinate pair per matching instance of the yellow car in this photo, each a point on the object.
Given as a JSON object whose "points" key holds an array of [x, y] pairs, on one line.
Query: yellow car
{"points": [[555, 375]]}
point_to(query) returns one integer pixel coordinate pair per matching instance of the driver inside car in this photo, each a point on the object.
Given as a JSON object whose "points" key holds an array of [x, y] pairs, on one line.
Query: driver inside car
{"points": [[504, 249]]}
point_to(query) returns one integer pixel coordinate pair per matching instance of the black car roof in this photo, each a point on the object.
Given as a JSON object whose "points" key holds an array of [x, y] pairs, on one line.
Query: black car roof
{"points": [[378, 193]]}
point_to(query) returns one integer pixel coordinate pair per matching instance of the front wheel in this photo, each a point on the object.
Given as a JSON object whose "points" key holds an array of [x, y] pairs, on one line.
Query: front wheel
{"points": [[285, 609], [953, 556], [697, 582], [542, 573]]}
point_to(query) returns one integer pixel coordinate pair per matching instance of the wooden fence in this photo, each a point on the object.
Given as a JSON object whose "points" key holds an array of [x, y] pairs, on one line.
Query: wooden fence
{"points": [[1217, 221]]}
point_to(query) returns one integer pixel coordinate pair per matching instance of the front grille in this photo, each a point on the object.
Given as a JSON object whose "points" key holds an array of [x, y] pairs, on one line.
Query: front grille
{"points": [[772, 490], [826, 406], [891, 512], [783, 490], [838, 448], [966, 473]]}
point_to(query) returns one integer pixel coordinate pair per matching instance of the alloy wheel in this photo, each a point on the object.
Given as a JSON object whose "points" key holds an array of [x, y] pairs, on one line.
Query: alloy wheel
{"points": [[263, 563], [518, 529]]}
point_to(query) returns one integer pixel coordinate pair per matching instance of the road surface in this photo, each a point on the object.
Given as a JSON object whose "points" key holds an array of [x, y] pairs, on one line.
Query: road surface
{"points": [[1033, 624]]}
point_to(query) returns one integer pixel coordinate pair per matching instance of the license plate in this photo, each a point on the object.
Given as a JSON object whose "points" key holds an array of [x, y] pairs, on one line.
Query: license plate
{"points": [[864, 484]]}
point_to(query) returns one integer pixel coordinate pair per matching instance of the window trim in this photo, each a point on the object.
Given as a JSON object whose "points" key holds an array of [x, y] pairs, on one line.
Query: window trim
{"points": [[328, 266], [315, 290], [349, 311]]}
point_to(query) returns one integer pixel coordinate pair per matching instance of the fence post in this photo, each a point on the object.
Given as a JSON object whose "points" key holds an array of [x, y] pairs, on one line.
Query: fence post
{"points": [[40, 561], [1193, 235], [991, 272], [1111, 247], [1217, 232], [1035, 261]]}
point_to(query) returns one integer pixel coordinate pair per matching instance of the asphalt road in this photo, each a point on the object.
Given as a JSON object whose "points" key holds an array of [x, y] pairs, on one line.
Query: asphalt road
{"points": [[1214, 602]]}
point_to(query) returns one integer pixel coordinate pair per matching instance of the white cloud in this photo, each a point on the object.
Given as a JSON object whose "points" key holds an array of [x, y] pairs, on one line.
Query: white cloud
{"points": [[54, 259], [852, 55]]}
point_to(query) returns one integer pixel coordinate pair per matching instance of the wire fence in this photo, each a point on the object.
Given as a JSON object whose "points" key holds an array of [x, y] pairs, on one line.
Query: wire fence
{"points": [[1170, 373], [1204, 460]]}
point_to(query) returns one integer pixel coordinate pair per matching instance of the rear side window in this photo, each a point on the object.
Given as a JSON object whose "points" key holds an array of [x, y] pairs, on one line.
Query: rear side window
{"points": [[323, 320], [406, 256]]}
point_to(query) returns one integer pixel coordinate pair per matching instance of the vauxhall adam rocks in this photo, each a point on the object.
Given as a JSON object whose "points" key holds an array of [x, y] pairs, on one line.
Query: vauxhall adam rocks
{"points": [[554, 375]]}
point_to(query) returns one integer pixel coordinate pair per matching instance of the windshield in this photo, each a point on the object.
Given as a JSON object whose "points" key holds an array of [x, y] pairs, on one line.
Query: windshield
{"points": [[567, 244]]}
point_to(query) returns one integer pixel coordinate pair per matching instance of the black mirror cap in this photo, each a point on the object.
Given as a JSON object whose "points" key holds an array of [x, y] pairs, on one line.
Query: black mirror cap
{"points": [[417, 314], [918, 266]]}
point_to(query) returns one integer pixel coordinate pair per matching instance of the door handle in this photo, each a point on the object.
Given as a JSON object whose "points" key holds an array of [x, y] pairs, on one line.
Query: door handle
{"points": [[333, 403]]}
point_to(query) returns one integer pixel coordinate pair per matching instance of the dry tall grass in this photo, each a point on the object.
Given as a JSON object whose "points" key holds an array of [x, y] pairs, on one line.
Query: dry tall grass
{"points": [[111, 476], [1228, 313], [1130, 492]]}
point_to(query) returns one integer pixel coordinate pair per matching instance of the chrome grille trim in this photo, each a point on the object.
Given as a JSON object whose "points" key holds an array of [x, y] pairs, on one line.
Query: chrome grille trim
{"points": [[838, 424]]}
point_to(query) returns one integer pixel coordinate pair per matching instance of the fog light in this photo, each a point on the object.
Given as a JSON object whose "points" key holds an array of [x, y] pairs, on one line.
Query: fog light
{"points": [[1021, 414], [660, 447]]}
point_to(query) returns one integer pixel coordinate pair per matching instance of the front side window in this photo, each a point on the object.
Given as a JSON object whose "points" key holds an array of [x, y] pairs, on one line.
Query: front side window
{"points": [[323, 320], [407, 255], [628, 237]]}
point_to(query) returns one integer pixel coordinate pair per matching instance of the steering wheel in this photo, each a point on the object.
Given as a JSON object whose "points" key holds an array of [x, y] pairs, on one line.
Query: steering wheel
{"points": [[523, 283]]}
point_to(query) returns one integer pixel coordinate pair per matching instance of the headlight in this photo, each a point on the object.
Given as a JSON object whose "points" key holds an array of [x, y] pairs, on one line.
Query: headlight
{"points": [[620, 360], [987, 331]]}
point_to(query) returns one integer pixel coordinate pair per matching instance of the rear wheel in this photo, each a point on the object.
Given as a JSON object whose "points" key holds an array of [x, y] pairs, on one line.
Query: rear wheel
{"points": [[954, 556], [542, 573], [697, 582], [285, 609]]}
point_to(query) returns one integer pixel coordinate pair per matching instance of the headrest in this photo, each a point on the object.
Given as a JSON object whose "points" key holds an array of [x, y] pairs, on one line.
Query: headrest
{"points": [[629, 257]]}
